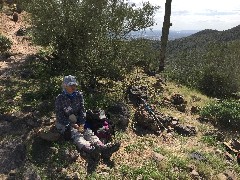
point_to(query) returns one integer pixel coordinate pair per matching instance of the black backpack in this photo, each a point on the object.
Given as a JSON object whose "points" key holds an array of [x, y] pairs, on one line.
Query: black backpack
{"points": [[100, 124]]}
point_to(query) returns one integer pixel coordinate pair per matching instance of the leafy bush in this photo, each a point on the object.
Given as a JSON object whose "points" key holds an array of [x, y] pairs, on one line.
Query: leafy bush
{"points": [[225, 113], [217, 84], [5, 44], [90, 38]]}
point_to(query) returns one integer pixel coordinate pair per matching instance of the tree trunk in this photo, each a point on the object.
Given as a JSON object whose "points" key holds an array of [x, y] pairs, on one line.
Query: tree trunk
{"points": [[165, 32]]}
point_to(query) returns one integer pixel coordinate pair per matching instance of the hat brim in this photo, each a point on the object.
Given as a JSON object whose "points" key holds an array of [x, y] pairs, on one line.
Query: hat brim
{"points": [[72, 83]]}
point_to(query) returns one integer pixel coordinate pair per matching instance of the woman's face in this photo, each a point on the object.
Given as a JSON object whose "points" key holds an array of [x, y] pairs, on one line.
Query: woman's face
{"points": [[70, 89]]}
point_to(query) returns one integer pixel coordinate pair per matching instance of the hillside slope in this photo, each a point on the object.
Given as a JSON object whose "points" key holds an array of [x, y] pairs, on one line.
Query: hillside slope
{"points": [[207, 60], [21, 47]]}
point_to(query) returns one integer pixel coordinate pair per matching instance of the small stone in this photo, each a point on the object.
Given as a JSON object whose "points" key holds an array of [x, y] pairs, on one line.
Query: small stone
{"points": [[76, 175], [158, 157], [194, 173], [191, 167], [218, 151], [221, 176], [139, 177], [68, 177], [12, 173], [64, 170]]}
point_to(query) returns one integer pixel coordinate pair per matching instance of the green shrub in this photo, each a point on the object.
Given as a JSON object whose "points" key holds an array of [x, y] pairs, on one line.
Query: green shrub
{"points": [[225, 113], [90, 38], [217, 84], [5, 44]]}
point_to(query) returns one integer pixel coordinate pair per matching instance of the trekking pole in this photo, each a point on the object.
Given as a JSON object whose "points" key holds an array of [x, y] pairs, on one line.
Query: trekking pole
{"points": [[152, 113]]}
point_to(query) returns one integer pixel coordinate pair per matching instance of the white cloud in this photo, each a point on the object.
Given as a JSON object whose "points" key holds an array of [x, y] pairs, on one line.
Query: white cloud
{"points": [[199, 15]]}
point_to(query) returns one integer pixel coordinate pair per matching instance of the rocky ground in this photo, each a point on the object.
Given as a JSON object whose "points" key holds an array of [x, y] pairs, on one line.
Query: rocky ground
{"points": [[13, 153]]}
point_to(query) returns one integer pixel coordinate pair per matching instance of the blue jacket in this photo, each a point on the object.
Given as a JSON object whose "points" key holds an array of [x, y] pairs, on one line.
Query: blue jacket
{"points": [[67, 104]]}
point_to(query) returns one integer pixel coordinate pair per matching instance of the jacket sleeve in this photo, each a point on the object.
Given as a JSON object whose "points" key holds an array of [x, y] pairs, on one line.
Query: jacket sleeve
{"points": [[60, 116]]}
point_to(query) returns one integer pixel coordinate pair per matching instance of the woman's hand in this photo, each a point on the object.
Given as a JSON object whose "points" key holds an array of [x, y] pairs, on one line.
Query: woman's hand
{"points": [[80, 128], [75, 126]]}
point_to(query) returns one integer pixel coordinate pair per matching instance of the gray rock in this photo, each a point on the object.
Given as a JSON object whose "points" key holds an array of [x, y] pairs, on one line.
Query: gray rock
{"points": [[185, 130], [177, 99], [76, 176], [221, 176], [158, 157], [194, 174]]}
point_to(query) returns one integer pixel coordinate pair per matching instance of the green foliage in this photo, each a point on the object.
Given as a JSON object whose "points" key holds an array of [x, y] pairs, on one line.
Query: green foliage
{"points": [[90, 38], [213, 68], [147, 171], [225, 113], [210, 140], [131, 147], [5, 44], [95, 101], [217, 84], [147, 53]]}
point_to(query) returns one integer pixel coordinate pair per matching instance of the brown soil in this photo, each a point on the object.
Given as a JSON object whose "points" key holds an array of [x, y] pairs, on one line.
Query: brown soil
{"points": [[21, 46]]}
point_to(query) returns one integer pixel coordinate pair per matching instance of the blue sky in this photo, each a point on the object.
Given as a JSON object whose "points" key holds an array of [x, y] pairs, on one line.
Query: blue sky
{"points": [[198, 14]]}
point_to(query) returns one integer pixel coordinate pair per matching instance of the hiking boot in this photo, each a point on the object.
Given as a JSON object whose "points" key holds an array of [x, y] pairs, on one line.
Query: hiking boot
{"points": [[94, 153], [109, 150]]}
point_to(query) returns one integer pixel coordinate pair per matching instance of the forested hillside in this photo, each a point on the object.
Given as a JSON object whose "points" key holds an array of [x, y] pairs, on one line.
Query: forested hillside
{"points": [[207, 60]]}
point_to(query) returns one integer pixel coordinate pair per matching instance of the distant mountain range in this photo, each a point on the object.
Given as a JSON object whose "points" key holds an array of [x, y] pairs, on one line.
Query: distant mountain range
{"points": [[206, 35], [201, 39], [156, 34]]}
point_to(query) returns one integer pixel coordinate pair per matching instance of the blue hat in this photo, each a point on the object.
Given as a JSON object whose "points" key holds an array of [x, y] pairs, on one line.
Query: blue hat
{"points": [[70, 80]]}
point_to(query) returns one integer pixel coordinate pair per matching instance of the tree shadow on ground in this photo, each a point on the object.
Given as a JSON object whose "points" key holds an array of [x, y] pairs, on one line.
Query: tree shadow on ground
{"points": [[52, 156], [40, 151], [26, 86], [91, 163]]}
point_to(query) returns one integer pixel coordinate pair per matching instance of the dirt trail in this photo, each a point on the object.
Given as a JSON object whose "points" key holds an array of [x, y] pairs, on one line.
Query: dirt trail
{"points": [[21, 46]]}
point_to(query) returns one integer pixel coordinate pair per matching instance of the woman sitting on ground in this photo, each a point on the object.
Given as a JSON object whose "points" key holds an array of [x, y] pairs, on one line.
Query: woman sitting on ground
{"points": [[70, 115]]}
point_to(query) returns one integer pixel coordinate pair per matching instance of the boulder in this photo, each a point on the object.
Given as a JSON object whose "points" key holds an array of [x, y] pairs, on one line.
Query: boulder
{"points": [[136, 93], [177, 99], [185, 130], [119, 114]]}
